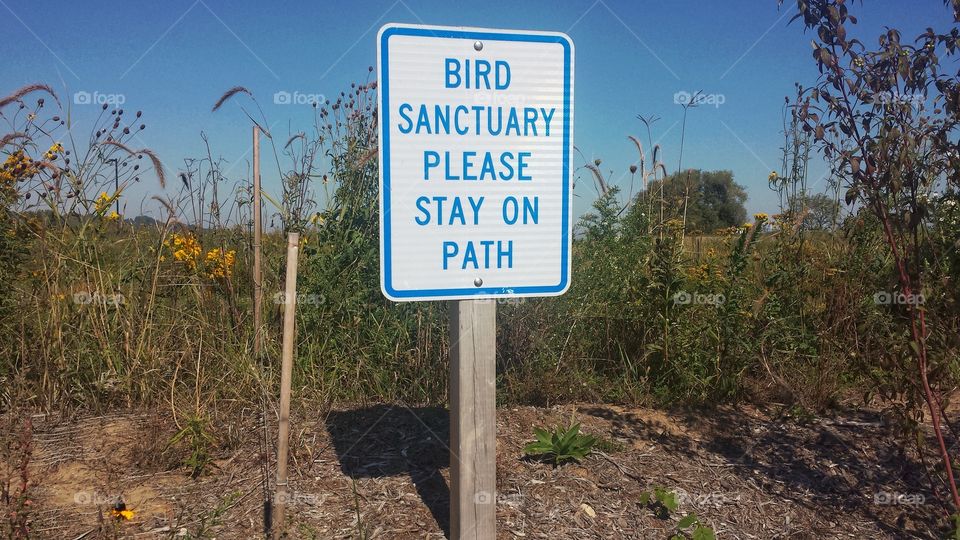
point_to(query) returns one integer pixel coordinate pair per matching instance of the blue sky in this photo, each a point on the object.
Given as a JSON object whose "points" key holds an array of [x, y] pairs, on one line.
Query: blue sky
{"points": [[173, 59]]}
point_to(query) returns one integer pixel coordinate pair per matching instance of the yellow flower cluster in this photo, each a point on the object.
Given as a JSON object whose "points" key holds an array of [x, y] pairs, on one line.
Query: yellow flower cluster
{"points": [[220, 263], [760, 216], [17, 166], [186, 249], [103, 202], [53, 152], [112, 216], [214, 263]]}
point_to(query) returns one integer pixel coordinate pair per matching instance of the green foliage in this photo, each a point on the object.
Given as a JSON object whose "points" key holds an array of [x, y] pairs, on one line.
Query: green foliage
{"points": [[195, 438], [561, 445], [663, 502], [710, 200]]}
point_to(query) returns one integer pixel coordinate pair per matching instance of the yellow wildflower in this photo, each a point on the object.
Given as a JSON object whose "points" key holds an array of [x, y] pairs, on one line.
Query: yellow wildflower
{"points": [[112, 216], [220, 263], [122, 514], [102, 202], [186, 249], [17, 166], [760, 216]]}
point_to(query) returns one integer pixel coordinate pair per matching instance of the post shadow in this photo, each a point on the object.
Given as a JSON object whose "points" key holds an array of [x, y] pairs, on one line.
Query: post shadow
{"points": [[390, 440]]}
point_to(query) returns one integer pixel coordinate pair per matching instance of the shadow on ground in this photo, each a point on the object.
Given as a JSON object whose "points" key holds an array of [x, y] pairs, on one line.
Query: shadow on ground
{"points": [[854, 464], [394, 440]]}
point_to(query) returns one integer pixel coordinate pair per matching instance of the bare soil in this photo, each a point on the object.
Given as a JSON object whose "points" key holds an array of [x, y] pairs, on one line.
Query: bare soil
{"points": [[382, 472]]}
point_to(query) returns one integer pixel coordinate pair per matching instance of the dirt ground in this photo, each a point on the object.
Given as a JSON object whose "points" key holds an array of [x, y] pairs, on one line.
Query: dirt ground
{"points": [[382, 472]]}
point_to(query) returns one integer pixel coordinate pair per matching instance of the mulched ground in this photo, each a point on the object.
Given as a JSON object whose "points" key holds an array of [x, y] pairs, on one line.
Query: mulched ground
{"points": [[382, 472]]}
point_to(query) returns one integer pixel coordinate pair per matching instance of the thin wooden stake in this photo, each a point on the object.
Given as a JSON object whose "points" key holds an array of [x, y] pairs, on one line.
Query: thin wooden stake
{"points": [[257, 242], [286, 374], [473, 427]]}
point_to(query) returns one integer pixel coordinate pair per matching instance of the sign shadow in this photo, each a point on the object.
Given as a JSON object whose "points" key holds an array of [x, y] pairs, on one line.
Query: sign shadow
{"points": [[393, 440]]}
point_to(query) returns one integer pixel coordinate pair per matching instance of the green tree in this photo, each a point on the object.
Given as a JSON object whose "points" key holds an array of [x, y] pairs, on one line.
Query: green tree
{"points": [[820, 211], [704, 200]]}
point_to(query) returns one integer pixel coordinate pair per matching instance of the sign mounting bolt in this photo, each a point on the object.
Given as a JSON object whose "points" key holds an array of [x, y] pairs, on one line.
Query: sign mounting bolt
{"points": [[478, 282], [478, 45]]}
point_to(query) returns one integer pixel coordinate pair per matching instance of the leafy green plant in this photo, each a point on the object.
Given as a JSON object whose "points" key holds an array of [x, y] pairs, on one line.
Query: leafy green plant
{"points": [[691, 527], [195, 436], [560, 445], [663, 501]]}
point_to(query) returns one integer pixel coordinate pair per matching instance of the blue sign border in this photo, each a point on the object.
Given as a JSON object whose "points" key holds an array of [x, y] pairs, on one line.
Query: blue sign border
{"points": [[384, 111]]}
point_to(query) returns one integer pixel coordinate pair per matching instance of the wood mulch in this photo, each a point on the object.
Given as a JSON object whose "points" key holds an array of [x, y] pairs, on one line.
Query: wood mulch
{"points": [[382, 472]]}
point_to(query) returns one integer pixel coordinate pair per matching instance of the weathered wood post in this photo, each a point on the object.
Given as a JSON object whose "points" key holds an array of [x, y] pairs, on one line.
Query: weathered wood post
{"points": [[286, 375], [257, 242], [473, 426]]}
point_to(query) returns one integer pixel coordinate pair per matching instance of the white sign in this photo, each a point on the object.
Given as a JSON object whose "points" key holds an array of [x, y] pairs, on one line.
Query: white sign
{"points": [[476, 144]]}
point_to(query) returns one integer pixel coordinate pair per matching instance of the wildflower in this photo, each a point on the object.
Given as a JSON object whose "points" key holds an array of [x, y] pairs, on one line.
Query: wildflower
{"points": [[112, 216], [760, 216], [186, 250], [55, 150], [747, 225], [220, 263], [17, 166], [123, 514], [103, 202]]}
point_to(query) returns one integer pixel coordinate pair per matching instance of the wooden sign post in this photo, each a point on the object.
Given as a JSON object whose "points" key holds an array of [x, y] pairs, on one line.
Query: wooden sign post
{"points": [[473, 426]]}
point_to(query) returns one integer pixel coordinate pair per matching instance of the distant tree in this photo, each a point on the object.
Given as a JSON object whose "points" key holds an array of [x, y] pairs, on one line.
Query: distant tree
{"points": [[820, 211], [707, 200]]}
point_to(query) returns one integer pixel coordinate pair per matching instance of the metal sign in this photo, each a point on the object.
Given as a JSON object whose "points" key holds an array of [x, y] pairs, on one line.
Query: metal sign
{"points": [[476, 142]]}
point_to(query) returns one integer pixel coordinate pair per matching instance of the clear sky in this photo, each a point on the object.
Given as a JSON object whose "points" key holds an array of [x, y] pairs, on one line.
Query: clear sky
{"points": [[174, 58]]}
